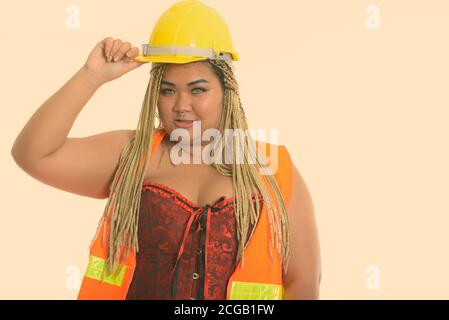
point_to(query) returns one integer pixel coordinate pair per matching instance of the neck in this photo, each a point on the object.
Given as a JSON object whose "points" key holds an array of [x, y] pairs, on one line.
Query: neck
{"points": [[189, 149]]}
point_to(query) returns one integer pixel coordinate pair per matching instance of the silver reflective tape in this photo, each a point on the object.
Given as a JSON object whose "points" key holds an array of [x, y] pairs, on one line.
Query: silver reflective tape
{"points": [[186, 51], [180, 50]]}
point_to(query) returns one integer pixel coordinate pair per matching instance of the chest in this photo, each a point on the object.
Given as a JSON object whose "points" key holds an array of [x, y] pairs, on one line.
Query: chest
{"points": [[200, 183]]}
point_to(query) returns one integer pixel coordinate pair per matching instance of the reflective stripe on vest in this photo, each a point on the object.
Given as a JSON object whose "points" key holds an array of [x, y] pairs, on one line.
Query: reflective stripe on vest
{"points": [[255, 291], [260, 278], [96, 270]]}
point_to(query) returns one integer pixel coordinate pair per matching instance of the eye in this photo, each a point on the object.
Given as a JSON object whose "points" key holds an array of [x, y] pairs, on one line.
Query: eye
{"points": [[202, 90], [164, 91]]}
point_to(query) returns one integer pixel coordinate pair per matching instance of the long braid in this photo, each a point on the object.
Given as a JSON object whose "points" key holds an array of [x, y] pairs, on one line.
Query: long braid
{"points": [[122, 208], [246, 176]]}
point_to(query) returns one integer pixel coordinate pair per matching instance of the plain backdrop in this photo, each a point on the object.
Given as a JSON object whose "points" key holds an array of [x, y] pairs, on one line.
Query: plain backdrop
{"points": [[357, 89]]}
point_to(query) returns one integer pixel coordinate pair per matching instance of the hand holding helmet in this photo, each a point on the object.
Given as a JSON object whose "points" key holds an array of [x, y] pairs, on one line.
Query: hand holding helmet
{"points": [[110, 59]]}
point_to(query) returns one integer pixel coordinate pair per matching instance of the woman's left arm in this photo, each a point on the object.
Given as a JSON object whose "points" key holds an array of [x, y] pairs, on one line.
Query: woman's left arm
{"points": [[303, 276]]}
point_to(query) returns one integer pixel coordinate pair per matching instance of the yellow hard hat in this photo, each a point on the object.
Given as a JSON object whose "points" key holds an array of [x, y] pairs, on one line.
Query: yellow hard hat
{"points": [[189, 31]]}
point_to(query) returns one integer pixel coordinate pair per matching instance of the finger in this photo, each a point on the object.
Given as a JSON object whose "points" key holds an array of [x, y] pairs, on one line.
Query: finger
{"points": [[115, 47], [132, 53], [108, 42], [122, 50]]}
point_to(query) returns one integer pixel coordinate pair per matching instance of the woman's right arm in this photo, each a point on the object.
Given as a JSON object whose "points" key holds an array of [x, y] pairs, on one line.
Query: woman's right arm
{"points": [[83, 166], [50, 124]]}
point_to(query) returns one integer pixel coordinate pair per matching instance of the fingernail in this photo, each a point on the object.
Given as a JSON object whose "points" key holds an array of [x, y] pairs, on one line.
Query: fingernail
{"points": [[109, 58], [115, 58]]}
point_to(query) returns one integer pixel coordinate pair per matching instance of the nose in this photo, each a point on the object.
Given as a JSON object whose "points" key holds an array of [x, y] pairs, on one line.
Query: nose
{"points": [[183, 103]]}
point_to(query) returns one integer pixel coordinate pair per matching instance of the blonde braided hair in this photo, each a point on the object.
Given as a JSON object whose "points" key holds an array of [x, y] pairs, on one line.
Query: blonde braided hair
{"points": [[123, 205]]}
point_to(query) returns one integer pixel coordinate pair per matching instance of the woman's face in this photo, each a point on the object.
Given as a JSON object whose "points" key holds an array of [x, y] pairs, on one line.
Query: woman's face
{"points": [[191, 91]]}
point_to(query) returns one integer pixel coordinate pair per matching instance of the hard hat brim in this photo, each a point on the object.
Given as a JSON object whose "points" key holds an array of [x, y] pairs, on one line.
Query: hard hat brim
{"points": [[167, 58]]}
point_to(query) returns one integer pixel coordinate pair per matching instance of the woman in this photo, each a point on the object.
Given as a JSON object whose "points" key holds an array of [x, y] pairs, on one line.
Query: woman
{"points": [[177, 230]]}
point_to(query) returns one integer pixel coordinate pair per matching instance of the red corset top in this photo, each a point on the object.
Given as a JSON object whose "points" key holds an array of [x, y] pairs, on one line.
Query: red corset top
{"points": [[185, 251]]}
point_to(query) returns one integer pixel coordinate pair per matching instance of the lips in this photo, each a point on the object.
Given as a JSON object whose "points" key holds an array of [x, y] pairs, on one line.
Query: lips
{"points": [[184, 123]]}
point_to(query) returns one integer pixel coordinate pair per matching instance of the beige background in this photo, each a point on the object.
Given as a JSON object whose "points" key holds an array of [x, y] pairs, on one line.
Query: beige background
{"points": [[358, 89]]}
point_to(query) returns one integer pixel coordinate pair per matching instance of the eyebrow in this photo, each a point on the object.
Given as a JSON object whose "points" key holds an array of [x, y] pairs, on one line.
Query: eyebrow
{"points": [[189, 84]]}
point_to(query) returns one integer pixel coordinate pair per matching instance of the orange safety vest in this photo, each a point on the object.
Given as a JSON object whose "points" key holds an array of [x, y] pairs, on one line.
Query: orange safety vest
{"points": [[259, 279]]}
